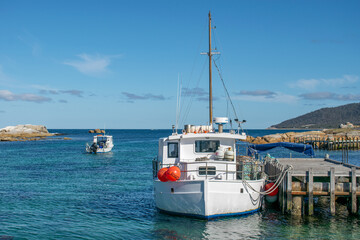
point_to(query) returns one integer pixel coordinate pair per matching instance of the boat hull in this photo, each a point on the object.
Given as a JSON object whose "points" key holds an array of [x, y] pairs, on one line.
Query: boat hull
{"points": [[99, 150], [208, 198], [104, 150]]}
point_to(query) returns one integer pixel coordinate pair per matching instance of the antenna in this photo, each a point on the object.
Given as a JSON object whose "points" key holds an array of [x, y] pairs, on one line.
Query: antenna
{"points": [[239, 124], [178, 102]]}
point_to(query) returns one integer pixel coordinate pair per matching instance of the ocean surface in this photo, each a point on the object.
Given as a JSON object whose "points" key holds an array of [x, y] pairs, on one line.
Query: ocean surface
{"points": [[52, 189]]}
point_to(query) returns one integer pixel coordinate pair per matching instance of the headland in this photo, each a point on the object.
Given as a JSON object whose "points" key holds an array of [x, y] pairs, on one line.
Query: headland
{"points": [[25, 132]]}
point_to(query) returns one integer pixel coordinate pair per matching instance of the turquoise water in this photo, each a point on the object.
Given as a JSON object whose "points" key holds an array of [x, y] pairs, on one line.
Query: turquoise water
{"points": [[52, 189]]}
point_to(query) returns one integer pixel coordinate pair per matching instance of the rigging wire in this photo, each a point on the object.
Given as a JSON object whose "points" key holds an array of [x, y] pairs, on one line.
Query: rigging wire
{"points": [[186, 107], [226, 91], [192, 95], [218, 46], [219, 68]]}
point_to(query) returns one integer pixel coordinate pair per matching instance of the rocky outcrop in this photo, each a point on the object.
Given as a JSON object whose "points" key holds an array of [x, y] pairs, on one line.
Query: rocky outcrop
{"points": [[26, 132], [347, 125], [96, 131], [330, 134]]}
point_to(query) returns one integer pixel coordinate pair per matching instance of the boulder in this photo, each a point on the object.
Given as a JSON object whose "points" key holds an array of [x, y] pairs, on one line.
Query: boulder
{"points": [[347, 125], [310, 134], [259, 140], [331, 134], [249, 138], [273, 138], [97, 131], [354, 133]]}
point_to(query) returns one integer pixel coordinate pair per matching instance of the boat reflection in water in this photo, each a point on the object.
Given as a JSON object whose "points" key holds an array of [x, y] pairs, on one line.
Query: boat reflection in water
{"points": [[245, 227]]}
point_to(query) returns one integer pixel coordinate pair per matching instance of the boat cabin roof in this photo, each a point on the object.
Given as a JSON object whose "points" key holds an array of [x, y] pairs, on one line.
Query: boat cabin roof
{"points": [[103, 136], [213, 135]]}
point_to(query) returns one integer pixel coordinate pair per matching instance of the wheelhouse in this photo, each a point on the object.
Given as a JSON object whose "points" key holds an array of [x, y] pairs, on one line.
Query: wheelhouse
{"points": [[201, 155]]}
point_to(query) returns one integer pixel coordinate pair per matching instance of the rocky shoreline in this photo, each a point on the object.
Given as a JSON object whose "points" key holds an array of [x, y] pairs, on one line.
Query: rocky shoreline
{"points": [[25, 132], [330, 134]]}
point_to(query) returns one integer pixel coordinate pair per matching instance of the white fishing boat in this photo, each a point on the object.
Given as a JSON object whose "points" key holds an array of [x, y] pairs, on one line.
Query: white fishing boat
{"points": [[101, 144], [200, 173]]}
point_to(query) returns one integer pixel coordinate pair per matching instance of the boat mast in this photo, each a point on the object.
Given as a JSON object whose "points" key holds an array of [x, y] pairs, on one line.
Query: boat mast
{"points": [[210, 74], [210, 53]]}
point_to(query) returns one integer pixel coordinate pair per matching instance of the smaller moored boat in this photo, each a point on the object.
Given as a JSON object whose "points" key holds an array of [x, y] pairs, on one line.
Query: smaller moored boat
{"points": [[101, 144]]}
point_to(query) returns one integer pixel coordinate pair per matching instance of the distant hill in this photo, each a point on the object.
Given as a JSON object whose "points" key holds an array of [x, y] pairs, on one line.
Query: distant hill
{"points": [[325, 118]]}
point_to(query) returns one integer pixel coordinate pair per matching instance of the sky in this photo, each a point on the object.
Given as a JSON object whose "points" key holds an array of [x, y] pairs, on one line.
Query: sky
{"points": [[138, 64]]}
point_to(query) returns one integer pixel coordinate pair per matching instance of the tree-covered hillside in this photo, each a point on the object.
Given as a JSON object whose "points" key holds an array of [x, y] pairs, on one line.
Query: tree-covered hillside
{"points": [[325, 118]]}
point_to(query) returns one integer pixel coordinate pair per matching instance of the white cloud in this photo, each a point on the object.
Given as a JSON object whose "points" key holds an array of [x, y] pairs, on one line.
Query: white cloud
{"points": [[346, 79], [27, 97], [258, 93], [131, 97], [311, 84], [308, 84], [91, 65], [7, 95], [276, 97], [44, 90], [330, 96]]}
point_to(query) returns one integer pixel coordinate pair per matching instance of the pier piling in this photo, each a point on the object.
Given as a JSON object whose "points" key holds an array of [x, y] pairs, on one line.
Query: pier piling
{"points": [[332, 191], [339, 143], [310, 191], [289, 195], [315, 177], [353, 190]]}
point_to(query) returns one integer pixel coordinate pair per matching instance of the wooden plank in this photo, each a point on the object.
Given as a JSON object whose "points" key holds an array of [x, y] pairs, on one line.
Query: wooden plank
{"points": [[353, 190], [288, 192], [332, 191], [319, 166], [302, 193], [319, 193], [310, 191]]}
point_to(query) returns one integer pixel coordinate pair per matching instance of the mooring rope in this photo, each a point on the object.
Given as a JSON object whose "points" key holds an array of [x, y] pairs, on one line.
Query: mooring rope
{"points": [[273, 187]]}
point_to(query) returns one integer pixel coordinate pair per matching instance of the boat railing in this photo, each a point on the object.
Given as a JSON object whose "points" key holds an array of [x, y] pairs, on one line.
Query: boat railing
{"points": [[222, 170]]}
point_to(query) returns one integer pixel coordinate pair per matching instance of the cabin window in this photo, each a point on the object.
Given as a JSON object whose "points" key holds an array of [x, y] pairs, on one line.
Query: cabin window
{"points": [[101, 139], [207, 170], [206, 146], [173, 150]]}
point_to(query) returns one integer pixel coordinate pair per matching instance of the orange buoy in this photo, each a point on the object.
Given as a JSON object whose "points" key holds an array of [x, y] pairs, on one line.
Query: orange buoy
{"points": [[274, 191], [173, 173], [162, 175]]}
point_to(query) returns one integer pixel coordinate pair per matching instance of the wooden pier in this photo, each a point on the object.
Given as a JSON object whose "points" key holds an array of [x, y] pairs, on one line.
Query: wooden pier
{"points": [[307, 178], [327, 143]]}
